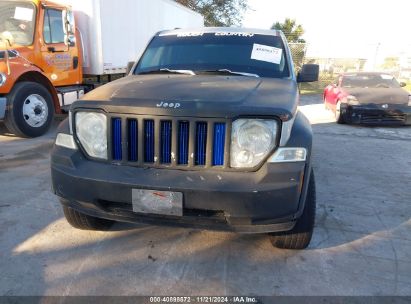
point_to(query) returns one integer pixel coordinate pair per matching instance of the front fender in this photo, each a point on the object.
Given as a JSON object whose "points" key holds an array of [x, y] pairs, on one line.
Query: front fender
{"points": [[17, 68], [302, 136], [64, 127], [26, 72]]}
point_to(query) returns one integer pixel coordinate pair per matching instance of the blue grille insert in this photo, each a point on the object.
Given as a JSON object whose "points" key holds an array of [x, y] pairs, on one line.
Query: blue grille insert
{"points": [[154, 141], [201, 144], [166, 142], [132, 140], [116, 142], [149, 141], [218, 144], [183, 135]]}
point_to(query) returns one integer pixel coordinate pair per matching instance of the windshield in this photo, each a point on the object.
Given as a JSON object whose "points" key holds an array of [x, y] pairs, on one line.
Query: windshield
{"points": [[262, 55], [370, 81], [17, 22]]}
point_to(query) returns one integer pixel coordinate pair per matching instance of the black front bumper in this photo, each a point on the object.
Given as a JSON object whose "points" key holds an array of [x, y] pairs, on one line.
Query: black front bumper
{"points": [[377, 114], [268, 200]]}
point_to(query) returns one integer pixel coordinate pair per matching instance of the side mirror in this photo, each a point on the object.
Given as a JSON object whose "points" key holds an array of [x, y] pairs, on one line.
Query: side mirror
{"points": [[69, 28], [309, 73], [70, 40], [130, 65], [403, 84]]}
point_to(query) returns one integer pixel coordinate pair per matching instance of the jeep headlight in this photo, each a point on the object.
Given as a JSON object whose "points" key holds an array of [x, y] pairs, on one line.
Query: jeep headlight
{"points": [[251, 141], [91, 130]]}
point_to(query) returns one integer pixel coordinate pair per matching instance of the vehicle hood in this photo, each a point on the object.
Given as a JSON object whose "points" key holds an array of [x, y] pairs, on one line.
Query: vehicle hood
{"points": [[197, 96], [379, 95]]}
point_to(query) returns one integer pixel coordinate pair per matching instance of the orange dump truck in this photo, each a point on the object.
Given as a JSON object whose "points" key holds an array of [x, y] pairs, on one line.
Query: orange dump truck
{"points": [[51, 54]]}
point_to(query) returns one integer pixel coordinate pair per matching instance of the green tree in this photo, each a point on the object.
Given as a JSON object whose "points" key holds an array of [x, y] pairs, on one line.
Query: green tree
{"points": [[391, 63], [218, 12], [291, 30]]}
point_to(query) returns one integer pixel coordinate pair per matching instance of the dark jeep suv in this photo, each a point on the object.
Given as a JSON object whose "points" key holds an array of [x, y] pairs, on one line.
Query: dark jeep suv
{"points": [[204, 132]]}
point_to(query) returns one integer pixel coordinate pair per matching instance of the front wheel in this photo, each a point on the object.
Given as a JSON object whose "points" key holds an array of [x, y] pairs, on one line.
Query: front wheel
{"points": [[85, 222], [30, 110], [300, 236]]}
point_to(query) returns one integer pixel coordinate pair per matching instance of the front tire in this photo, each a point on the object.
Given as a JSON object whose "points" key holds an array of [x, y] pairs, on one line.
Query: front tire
{"points": [[85, 222], [30, 110], [300, 236]]}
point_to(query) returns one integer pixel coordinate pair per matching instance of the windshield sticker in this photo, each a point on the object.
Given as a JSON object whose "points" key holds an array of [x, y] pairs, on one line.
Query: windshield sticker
{"points": [[266, 53], [24, 14], [234, 34]]}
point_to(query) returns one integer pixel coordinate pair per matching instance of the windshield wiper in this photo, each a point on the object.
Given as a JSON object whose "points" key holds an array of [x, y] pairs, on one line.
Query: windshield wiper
{"points": [[165, 70], [229, 72]]}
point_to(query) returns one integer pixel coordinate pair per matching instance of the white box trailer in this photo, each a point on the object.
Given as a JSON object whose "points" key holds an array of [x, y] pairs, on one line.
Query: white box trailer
{"points": [[116, 32]]}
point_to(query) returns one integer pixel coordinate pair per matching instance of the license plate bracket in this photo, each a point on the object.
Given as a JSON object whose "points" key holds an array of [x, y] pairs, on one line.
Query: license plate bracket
{"points": [[157, 202]]}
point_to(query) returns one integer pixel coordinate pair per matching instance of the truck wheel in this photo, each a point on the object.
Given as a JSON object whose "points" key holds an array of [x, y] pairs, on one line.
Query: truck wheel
{"points": [[30, 110], [85, 222], [300, 236]]}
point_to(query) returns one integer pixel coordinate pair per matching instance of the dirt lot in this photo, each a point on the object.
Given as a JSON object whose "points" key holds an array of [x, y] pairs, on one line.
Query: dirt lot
{"points": [[361, 245]]}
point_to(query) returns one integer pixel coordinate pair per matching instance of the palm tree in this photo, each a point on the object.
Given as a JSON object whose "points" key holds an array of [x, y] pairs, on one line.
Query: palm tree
{"points": [[291, 30]]}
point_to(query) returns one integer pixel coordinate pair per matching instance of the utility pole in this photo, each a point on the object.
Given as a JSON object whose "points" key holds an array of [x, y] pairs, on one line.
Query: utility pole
{"points": [[376, 55]]}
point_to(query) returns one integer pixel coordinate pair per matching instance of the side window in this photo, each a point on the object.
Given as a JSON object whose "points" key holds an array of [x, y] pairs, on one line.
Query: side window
{"points": [[53, 30]]}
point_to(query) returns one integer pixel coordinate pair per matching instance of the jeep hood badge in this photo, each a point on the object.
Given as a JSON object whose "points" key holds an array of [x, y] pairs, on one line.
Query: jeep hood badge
{"points": [[163, 104]]}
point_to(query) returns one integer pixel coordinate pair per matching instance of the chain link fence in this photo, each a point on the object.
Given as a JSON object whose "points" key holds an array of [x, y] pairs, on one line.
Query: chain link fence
{"points": [[398, 65]]}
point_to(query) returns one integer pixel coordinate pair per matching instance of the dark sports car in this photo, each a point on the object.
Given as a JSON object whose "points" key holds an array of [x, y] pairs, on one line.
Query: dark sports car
{"points": [[368, 98]]}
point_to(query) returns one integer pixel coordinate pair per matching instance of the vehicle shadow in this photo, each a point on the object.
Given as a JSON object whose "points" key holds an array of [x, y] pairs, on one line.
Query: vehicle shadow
{"points": [[6, 133], [173, 261]]}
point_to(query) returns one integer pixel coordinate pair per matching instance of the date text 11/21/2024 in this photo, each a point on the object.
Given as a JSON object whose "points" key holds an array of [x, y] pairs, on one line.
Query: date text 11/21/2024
{"points": [[203, 299]]}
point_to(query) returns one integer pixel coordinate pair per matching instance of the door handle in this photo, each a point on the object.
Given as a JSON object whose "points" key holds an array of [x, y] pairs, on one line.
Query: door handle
{"points": [[52, 49]]}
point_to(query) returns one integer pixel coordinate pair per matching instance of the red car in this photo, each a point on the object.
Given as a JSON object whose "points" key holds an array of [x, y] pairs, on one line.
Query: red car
{"points": [[368, 98]]}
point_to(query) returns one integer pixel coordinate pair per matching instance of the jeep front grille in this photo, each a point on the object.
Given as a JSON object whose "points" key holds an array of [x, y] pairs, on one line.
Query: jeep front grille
{"points": [[219, 136], [116, 129], [165, 142], [149, 134], [183, 129], [181, 143], [201, 143]]}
